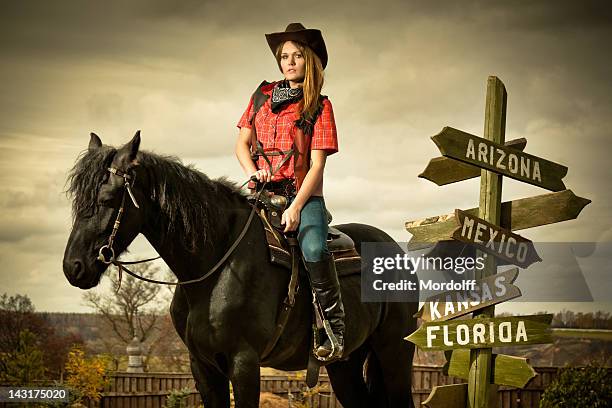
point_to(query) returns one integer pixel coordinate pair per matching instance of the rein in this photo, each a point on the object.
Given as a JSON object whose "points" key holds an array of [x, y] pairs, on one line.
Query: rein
{"points": [[127, 191]]}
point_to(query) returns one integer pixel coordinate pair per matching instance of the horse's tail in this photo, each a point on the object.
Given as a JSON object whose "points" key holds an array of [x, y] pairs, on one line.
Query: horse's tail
{"points": [[374, 378]]}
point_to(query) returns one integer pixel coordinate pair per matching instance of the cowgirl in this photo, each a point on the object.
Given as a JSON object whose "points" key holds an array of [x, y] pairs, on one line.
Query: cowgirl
{"points": [[286, 134]]}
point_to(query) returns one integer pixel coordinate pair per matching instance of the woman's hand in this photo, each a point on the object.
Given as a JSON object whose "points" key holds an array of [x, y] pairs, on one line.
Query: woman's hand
{"points": [[262, 175], [291, 218]]}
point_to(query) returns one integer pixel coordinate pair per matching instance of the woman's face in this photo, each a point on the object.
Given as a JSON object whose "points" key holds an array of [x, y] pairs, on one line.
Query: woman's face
{"points": [[292, 63]]}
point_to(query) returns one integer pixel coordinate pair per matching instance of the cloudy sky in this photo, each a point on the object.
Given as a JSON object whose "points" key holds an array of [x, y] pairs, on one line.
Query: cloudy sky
{"points": [[398, 71]]}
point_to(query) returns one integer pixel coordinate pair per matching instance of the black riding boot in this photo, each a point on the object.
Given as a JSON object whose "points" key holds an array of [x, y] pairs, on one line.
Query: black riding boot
{"points": [[324, 281]]}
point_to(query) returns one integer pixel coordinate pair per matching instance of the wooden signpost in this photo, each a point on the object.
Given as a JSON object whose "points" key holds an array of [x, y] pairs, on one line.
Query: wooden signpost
{"points": [[489, 291], [446, 396], [492, 155], [515, 215], [495, 240], [489, 228], [453, 395], [507, 370], [483, 332], [442, 170]]}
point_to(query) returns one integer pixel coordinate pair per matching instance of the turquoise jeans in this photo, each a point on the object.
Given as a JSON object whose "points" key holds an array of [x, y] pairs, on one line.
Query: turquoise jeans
{"points": [[312, 230]]}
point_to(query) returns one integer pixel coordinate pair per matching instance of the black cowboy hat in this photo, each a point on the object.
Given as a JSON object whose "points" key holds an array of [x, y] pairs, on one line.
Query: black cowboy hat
{"points": [[297, 32]]}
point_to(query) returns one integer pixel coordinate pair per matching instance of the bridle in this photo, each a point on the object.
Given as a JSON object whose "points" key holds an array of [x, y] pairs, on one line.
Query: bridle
{"points": [[127, 191], [108, 248], [106, 254]]}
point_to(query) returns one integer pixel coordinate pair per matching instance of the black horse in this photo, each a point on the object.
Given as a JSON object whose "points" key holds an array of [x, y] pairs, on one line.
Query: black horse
{"points": [[227, 319]]}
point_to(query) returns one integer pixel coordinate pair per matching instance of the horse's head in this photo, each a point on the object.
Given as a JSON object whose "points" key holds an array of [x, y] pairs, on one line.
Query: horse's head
{"points": [[104, 188]]}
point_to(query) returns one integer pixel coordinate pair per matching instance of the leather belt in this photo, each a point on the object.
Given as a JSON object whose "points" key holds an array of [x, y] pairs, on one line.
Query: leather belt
{"points": [[284, 187]]}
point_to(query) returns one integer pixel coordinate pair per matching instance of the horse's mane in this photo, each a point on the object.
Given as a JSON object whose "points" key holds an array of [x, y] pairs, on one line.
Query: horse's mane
{"points": [[185, 195], [86, 178]]}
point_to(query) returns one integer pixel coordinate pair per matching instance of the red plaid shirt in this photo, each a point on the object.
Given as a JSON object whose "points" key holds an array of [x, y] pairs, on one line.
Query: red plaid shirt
{"points": [[276, 132]]}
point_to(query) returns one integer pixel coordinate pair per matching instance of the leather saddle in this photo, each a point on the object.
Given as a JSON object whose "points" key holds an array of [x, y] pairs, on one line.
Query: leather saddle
{"points": [[284, 251], [270, 209]]}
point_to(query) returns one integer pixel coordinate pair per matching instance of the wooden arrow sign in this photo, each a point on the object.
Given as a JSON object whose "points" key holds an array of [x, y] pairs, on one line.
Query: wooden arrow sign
{"points": [[483, 332], [494, 240], [489, 291], [507, 370], [443, 170], [496, 157], [455, 396], [515, 215], [447, 396]]}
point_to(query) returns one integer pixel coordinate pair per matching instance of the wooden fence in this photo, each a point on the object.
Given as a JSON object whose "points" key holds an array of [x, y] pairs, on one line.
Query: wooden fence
{"points": [[131, 390], [424, 378]]}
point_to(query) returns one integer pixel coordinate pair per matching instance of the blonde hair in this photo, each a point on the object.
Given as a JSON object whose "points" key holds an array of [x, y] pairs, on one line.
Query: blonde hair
{"points": [[313, 78]]}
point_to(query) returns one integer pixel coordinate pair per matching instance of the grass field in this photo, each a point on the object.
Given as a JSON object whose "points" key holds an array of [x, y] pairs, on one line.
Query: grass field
{"points": [[583, 333]]}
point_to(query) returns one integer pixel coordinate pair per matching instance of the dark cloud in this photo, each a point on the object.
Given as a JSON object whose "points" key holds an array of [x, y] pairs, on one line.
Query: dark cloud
{"points": [[566, 15], [129, 28]]}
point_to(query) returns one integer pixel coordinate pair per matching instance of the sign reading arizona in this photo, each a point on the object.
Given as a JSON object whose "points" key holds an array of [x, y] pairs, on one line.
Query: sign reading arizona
{"points": [[503, 160]]}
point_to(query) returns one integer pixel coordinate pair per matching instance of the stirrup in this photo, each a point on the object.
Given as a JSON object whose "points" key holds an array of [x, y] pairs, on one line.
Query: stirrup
{"points": [[323, 353]]}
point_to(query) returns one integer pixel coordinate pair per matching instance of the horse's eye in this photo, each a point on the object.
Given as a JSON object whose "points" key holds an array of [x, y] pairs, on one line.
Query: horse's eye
{"points": [[105, 201], [106, 197]]}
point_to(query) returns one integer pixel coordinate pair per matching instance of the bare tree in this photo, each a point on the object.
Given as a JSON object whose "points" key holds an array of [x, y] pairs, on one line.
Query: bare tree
{"points": [[134, 308]]}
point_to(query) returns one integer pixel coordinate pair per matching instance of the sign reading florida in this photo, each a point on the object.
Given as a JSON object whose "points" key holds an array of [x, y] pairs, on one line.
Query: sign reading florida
{"points": [[483, 332]]}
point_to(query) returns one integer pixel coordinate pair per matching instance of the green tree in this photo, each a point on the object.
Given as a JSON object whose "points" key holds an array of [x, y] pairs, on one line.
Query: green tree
{"points": [[25, 364], [16, 315], [24, 329], [579, 387], [176, 398]]}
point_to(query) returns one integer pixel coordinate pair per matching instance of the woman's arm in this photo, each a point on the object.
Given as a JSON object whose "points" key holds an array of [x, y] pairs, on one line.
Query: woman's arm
{"points": [[312, 183], [243, 153], [324, 143]]}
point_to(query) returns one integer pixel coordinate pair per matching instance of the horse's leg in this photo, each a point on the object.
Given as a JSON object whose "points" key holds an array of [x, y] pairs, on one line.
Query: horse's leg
{"points": [[212, 385], [346, 378], [394, 355], [244, 375]]}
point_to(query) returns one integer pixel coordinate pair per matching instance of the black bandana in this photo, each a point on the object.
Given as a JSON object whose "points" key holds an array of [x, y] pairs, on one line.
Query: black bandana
{"points": [[283, 94]]}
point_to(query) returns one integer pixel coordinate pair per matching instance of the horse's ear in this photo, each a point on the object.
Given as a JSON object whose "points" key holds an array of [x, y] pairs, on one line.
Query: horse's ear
{"points": [[134, 145], [94, 142]]}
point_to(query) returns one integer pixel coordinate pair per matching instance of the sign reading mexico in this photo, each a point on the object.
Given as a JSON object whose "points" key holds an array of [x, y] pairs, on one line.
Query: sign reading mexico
{"points": [[494, 240], [483, 332], [530, 212]]}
